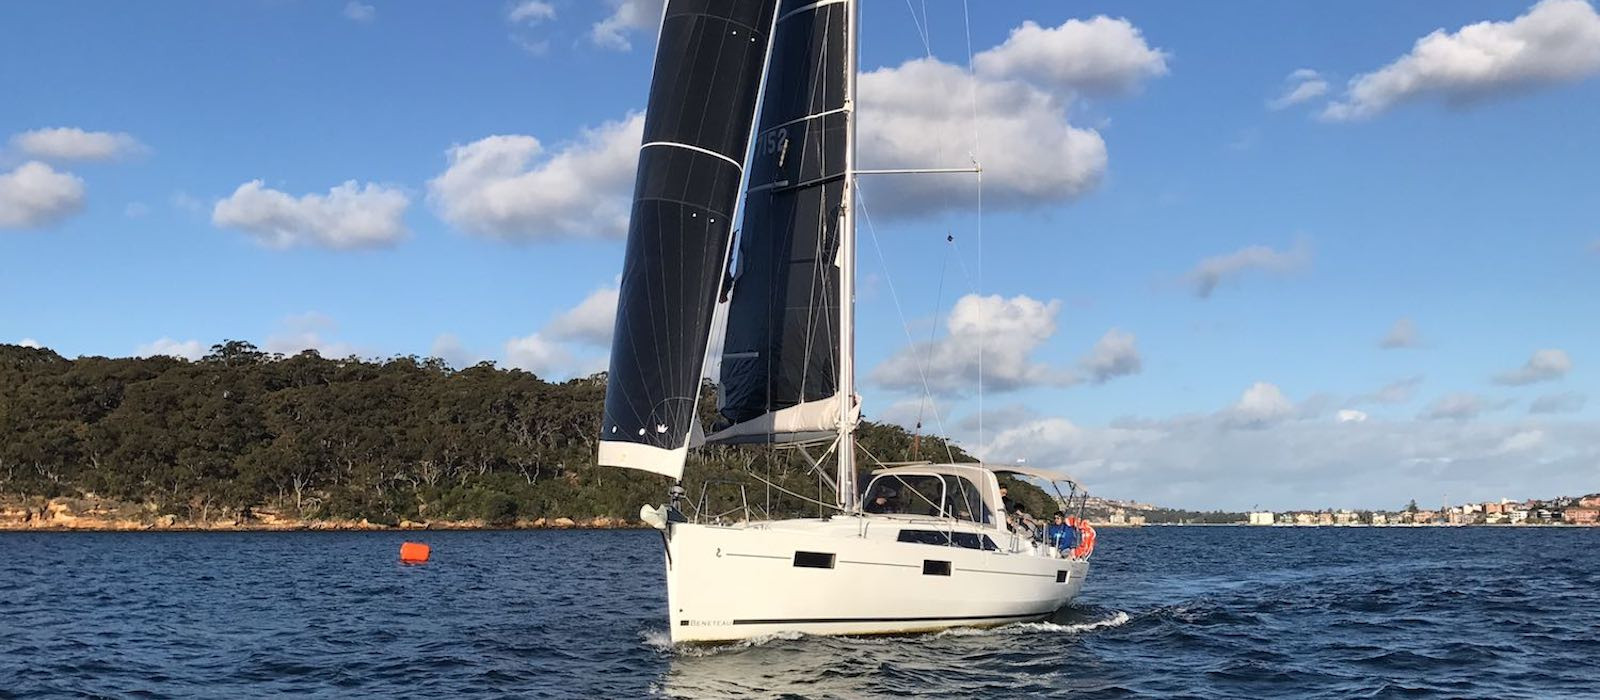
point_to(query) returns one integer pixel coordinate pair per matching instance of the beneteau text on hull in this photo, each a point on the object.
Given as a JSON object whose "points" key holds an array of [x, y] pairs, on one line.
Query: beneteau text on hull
{"points": [[931, 548]]}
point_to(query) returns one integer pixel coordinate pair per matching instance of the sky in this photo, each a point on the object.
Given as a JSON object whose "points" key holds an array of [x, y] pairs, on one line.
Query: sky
{"points": [[1251, 254]]}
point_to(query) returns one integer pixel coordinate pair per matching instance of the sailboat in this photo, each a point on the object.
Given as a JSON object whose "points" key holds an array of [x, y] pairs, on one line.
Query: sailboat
{"points": [[930, 546]]}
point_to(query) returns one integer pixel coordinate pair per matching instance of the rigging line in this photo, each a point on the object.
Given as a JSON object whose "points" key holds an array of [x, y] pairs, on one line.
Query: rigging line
{"points": [[972, 73], [925, 33], [921, 32], [895, 295], [908, 487], [771, 485], [938, 305]]}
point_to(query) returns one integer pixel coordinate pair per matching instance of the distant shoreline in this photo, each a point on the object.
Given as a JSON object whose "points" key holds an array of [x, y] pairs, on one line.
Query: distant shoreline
{"points": [[95, 525]]}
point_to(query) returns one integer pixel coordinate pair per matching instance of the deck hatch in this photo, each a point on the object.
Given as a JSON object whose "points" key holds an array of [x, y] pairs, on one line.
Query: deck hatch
{"points": [[814, 560], [934, 567]]}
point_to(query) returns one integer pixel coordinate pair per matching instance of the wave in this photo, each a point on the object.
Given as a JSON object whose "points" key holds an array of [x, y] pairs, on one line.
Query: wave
{"points": [[661, 641], [1116, 620]]}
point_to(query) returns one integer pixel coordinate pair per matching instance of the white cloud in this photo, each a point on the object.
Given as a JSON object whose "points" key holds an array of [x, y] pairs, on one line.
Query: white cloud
{"points": [[591, 321], [1565, 402], [1350, 415], [1302, 85], [1007, 330], [627, 16], [1545, 365], [1214, 271], [922, 114], [1458, 406], [1260, 406], [1115, 355], [71, 143], [531, 12], [1100, 55], [499, 187], [539, 355], [30, 343], [449, 348], [35, 195], [567, 345], [1019, 325], [1403, 334], [1555, 41], [1195, 463], [186, 349], [308, 331], [188, 203], [359, 11], [917, 115], [349, 216], [135, 210], [1395, 392]]}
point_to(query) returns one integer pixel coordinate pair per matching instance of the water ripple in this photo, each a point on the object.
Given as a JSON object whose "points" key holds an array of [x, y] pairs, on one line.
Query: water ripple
{"points": [[1167, 612]]}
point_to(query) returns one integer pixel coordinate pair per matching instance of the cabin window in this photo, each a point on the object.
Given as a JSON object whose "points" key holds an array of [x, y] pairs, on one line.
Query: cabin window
{"points": [[814, 560], [934, 567], [963, 500], [973, 540], [964, 540], [910, 494], [1061, 576]]}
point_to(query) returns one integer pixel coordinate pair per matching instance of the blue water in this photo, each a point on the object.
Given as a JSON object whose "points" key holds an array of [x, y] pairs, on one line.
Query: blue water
{"points": [[1167, 612]]}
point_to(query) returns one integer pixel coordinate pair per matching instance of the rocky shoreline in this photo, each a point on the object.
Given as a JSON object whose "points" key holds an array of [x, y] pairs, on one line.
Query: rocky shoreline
{"points": [[93, 515]]}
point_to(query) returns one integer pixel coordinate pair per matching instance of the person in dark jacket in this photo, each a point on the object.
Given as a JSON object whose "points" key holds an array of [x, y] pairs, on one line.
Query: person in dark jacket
{"points": [[882, 501]]}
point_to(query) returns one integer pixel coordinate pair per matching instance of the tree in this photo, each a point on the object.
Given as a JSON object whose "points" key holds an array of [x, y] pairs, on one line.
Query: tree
{"points": [[242, 431]]}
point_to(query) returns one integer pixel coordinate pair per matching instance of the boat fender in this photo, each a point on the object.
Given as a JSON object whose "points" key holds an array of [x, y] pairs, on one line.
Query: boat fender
{"points": [[414, 553]]}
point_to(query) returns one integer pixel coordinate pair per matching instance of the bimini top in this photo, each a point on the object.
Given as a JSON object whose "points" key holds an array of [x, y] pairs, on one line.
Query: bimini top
{"points": [[1035, 472]]}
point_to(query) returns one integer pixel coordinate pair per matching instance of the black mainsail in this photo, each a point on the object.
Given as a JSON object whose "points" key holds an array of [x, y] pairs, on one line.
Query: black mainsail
{"points": [[697, 129], [782, 356]]}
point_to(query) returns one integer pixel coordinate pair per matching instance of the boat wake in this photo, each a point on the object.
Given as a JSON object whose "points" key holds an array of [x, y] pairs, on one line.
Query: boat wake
{"points": [[1118, 619], [661, 641]]}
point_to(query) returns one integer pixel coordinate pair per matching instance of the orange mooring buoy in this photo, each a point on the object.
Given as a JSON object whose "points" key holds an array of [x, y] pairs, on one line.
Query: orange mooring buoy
{"points": [[413, 552]]}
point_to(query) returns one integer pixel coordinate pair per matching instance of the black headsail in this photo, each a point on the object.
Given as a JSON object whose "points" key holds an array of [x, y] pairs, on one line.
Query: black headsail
{"points": [[781, 358], [696, 134]]}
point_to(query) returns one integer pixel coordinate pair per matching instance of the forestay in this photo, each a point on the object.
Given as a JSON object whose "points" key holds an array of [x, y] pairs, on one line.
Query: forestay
{"points": [[696, 134], [780, 362]]}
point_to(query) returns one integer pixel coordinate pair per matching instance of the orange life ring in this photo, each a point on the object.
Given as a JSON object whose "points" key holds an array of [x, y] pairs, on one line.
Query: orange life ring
{"points": [[1085, 538]]}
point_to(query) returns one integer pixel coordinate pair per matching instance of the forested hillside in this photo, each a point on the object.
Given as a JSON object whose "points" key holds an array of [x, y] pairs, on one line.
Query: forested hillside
{"points": [[400, 439]]}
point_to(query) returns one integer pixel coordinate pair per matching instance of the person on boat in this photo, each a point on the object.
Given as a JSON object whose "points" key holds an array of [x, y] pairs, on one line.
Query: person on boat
{"points": [[882, 502], [1061, 533], [1007, 504]]}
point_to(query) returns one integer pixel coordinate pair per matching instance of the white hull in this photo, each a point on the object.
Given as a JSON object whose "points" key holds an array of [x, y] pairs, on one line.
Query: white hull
{"points": [[736, 582]]}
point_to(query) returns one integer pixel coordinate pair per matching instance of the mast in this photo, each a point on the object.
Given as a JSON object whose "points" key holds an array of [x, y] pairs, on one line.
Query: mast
{"points": [[846, 478]]}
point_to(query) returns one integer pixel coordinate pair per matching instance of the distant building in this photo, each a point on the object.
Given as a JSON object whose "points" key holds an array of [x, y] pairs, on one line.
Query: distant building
{"points": [[1578, 515], [1305, 519], [1380, 518], [1136, 520], [1346, 517], [1493, 508], [1262, 518], [1324, 518], [1590, 501], [1119, 517], [1423, 517]]}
